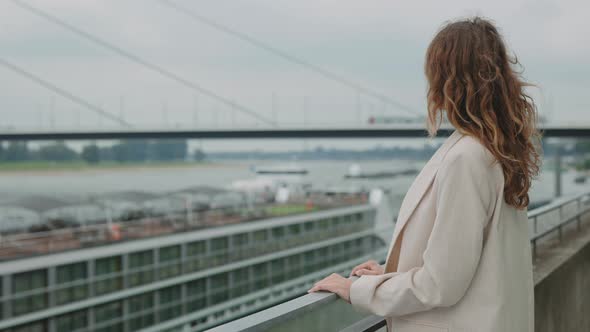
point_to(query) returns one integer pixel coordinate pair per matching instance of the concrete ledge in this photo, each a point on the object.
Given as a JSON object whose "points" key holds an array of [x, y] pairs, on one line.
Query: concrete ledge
{"points": [[562, 281]]}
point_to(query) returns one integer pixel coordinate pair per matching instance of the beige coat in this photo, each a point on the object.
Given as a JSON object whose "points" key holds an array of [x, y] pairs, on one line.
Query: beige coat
{"points": [[464, 263]]}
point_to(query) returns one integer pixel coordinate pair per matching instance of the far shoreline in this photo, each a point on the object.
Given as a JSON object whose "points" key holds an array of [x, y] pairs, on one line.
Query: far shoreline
{"points": [[48, 167]]}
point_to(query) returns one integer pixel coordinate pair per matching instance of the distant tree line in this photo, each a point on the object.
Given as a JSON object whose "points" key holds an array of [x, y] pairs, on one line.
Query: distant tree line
{"points": [[122, 151], [579, 147], [321, 153]]}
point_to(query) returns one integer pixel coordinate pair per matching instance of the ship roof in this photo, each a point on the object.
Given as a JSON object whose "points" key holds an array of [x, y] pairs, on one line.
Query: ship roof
{"points": [[37, 203], [112, 249]]}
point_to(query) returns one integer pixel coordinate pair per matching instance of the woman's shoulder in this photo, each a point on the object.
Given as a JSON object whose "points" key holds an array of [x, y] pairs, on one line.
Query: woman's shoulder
{"points": [[470, 160], [471, 152]]}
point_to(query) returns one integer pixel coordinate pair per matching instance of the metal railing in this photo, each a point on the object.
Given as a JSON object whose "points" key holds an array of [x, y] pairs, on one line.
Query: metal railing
{"points": [[567, 210]]}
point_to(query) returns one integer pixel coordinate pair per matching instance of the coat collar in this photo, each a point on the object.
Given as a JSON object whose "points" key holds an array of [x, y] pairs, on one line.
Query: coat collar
{"points": [[420, 186]]}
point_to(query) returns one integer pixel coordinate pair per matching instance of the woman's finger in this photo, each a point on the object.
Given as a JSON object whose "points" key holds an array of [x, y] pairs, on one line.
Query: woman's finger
{"points": [[365, 272], [318, 287], [359, 267]]}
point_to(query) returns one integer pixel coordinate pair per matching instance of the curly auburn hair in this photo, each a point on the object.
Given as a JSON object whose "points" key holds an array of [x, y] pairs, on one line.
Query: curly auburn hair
{"points": [[471, 79]]}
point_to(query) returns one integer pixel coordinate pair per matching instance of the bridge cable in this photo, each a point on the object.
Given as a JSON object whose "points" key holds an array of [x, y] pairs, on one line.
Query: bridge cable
{"points": [[62, 92], [286, 56], [135, 58]]}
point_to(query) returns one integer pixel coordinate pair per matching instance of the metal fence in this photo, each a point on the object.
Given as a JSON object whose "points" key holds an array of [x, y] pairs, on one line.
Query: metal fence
{"points": [[552, 218]]}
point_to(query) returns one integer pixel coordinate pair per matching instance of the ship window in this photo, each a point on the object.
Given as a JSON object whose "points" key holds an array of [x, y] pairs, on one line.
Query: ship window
{"points": [[240, 275], [71, 272], [324, 224], [294, 266], [196, 293], [278, 270], [24, 283], [308, 226], [240, 240], [196, 248], [170, 303], [323, 254], [115, 327], [278, 232], [169, 253], [338, 253], [359, 242], [336, 222], [72, 321], [196, 252], [219, 288], [106, 270], [108, 265], [218, 244], [294, 261], [260, 236], [220, 281], [141, 303], [168, 257], [261, 275], [309, 259], [260, 269], [27, 281], [196, 287], [240, 282], [108, 313], [39, 326], [71, 275], [140, 259], [294, 229], [140, 264]]}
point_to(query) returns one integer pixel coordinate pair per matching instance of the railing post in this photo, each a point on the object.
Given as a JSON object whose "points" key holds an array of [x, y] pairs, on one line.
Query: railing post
{"points": [[560, 222], [558, 170], [579, 215]]}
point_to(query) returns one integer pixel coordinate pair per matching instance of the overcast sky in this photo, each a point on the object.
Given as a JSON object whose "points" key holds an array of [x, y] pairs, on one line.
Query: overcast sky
{"points": [[378, 44]]}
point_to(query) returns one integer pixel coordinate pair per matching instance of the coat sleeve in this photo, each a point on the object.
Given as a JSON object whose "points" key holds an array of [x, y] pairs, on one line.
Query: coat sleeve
{"points": [[465, 194]]}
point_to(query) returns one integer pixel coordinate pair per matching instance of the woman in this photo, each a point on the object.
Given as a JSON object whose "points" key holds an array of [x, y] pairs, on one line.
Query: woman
{"points": [[460, 255]]}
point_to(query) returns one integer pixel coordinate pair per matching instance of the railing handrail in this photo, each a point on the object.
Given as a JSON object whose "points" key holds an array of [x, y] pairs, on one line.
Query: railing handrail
{"points": [[558, 205], [264, 319], [284, 311], [555, 204]]}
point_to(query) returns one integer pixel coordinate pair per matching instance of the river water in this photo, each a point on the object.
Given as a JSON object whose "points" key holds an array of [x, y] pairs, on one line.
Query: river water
{"points": [[222, 174]]}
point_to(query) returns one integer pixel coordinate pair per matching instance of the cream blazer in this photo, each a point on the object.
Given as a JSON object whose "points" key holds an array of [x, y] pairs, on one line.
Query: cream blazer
{"points": [[460, 257]]}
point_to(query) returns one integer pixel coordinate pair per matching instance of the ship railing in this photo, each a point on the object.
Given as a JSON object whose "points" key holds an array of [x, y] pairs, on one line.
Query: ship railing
{"points": [[545, 221], [87, 235]]}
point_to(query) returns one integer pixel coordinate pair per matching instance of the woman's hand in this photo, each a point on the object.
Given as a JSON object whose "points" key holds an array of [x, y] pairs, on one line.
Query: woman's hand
{"points": [[334, 283], [367, 268]]}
